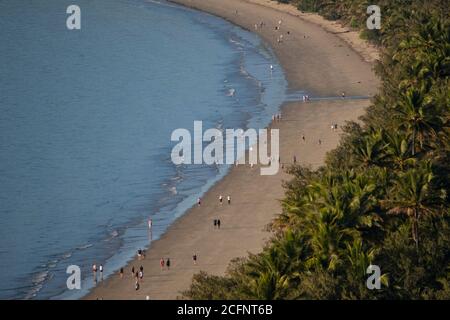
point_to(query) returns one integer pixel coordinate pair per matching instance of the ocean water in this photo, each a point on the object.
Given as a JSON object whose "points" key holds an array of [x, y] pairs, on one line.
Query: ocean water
{"points": [[85, 124]]}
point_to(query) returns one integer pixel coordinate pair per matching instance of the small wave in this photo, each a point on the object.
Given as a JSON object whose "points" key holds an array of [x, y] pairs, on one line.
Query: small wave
{"points": [[112, 235], [231, 92], [40, 277], [38, 282], [165, 4], [52, 264], [173, 190], [86, 246], [67, 255], [236, 42], [244, 72], [176, 178]]}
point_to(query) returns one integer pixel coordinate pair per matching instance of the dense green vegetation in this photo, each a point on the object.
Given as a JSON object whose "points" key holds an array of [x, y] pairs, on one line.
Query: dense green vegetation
{"points": [[382, 197]]}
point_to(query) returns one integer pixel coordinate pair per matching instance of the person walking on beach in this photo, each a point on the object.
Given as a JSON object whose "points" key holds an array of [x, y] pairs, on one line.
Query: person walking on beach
{"points": [[229, 199], [218, 223], [101, 272], [303, 138], [121, 273], [150, 224], [94, 271], [141, 272], [168, 264], [215, 223], [132, 271], [320, 142], [343, 94], [161, 264], [136, 285], [194, 258], [199, 202], [220, 199], [295, 159]]}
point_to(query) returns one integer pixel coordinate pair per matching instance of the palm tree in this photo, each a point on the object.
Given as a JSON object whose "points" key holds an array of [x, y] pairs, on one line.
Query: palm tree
{"points": [[412, 196], [371, 150], [429, 45], [416, 116], [265, 277], [340, 207], [399, 151]]}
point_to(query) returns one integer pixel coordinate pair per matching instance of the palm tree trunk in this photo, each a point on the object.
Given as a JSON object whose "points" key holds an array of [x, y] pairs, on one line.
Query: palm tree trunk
{"points": [[416, 229]]}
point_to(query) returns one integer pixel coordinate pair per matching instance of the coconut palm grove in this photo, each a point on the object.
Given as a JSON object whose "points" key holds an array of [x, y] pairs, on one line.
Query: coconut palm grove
{"points": [[382, 198]]}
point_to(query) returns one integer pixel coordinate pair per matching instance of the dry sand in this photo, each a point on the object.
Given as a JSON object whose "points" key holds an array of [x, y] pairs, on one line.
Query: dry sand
{"points": [[315, 60]]}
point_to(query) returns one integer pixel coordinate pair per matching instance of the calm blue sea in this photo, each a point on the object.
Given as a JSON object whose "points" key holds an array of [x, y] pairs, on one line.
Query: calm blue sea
{"points": [[85, 124]]}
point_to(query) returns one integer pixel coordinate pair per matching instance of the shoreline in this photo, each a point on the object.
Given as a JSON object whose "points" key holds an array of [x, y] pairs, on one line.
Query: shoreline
{"points": [[314, 60]]}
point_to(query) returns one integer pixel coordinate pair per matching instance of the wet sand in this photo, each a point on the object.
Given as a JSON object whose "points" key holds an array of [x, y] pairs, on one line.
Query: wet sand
{"points": [[315, 60]]}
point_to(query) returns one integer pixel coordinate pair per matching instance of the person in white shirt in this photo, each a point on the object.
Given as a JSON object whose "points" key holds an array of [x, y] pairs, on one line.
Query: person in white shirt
{"points": [[100, 268]]}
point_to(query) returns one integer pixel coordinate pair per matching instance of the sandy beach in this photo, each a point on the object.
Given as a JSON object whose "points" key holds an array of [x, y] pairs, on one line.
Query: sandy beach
{"points": [[318, 57]]}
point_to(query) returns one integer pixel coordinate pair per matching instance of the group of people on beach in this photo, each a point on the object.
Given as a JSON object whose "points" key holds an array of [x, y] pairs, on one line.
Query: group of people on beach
{"points": [[96, 269], [216, 223], [140, 254], [319, 142], [199, 200], [221, 199], [278, 28], [276, 117], [259, 25], [137, 275], [164, 263]]}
